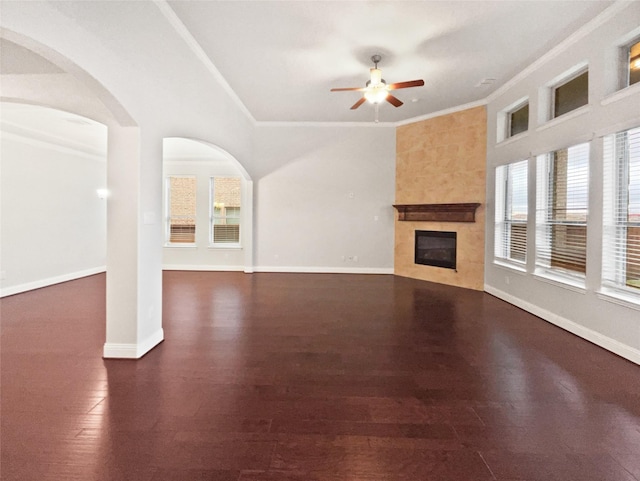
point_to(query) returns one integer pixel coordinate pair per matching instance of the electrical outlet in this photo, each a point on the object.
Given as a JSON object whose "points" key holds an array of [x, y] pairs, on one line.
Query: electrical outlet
{"points": [[3, 275], [355, 258]]}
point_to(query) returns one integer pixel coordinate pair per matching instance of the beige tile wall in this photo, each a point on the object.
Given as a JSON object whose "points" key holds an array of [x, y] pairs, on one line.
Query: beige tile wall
{"points": [[441, 161]]}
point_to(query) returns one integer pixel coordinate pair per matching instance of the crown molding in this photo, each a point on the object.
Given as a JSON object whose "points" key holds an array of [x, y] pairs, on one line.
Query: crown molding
{"points": [[575, 37], [39, 138], [265, 123], [564, 45], [440, 113], [195, 47]]}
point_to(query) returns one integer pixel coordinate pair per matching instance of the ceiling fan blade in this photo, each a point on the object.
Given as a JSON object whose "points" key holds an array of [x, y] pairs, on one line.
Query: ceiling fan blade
{"points": [[393, 100], [347, 89], [405, 85], [358, 103]]}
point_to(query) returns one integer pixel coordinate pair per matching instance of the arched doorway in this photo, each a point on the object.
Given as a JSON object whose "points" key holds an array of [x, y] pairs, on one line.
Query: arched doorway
{"points": [[37, 74], [208, 208]]}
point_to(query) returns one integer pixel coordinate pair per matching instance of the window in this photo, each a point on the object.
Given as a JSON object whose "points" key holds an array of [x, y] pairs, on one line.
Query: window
{"points": [[571, 94], [225, 210], [519, 120], [511, 212], [181, 209], [561, 210], [621, 243], [633, 62]]}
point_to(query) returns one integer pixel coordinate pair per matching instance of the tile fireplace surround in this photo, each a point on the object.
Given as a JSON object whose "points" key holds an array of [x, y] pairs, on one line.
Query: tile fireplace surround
{"points": [[442, 162]]}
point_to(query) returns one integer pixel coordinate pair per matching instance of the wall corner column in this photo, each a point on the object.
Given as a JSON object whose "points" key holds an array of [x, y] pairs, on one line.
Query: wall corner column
{"points": [[134, 268]]}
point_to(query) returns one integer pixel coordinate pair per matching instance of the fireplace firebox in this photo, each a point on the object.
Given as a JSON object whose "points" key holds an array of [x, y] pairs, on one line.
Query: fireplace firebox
{"points": [[436, 248]]}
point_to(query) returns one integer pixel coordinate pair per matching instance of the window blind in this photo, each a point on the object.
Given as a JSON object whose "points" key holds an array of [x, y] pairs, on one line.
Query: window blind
{"points": [[621, 222], [562, 207], [511, 212], [181, 209], [226, 194]]}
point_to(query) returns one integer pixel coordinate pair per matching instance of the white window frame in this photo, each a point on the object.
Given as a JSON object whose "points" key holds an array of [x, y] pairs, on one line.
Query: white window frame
{"points": [[545, 182], [617, 164], [504, 190], [503, 124], [565, 80], [213, 216], [510, 113], [626, 62], [167, 213]]}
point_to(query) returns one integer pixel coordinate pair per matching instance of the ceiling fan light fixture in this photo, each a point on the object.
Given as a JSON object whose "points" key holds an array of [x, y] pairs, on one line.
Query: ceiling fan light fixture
{"points": [[376, 94], [377, 91]]}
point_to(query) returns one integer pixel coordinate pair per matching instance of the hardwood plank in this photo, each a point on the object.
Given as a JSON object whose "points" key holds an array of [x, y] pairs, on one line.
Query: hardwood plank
{"points": [[314, 377]]}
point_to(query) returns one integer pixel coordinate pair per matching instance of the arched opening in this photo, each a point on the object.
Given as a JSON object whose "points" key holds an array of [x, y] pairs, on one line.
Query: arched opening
{"points": [[33, 73], [208, 208], [54, 159]]}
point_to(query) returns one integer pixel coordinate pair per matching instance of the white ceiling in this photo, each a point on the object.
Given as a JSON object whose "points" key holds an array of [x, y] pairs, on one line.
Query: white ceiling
{"points": [[281, 58]]}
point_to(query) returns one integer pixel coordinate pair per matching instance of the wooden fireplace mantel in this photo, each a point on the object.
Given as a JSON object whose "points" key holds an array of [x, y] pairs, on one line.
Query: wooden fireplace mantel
{"points": [[437, 212]]}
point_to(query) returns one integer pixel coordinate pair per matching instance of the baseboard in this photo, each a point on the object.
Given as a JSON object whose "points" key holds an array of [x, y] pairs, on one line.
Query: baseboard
{"points": [[112, 350], [590, 335], [291, 269], [200, 267], [30, 286], [325, 270]]}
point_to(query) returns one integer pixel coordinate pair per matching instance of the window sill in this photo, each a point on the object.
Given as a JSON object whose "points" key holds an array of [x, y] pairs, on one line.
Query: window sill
{"points": [[621, 94], [563, 118], [231, 247], [181, 246], [511, 140], [504, 263], [558, 279], [620, 297]]}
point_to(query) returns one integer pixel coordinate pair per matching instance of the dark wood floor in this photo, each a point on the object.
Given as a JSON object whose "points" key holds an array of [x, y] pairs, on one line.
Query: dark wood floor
{"points": [[291, 377]]}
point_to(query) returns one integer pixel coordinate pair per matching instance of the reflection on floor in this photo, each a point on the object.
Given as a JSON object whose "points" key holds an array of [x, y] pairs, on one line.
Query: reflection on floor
{"points": [[303, 377]]}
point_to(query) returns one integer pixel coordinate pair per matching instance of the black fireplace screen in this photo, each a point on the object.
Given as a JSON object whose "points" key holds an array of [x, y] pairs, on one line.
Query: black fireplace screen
{"points": [[436, 248]]}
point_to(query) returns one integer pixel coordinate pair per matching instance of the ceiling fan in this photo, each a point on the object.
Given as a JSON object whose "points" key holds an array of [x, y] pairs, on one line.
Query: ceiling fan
{"points": [[376, 90]]}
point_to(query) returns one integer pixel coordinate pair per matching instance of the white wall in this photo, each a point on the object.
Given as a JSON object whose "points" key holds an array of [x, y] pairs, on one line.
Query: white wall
{"points": [[53, 223], [615, 326], [323, 195]]}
